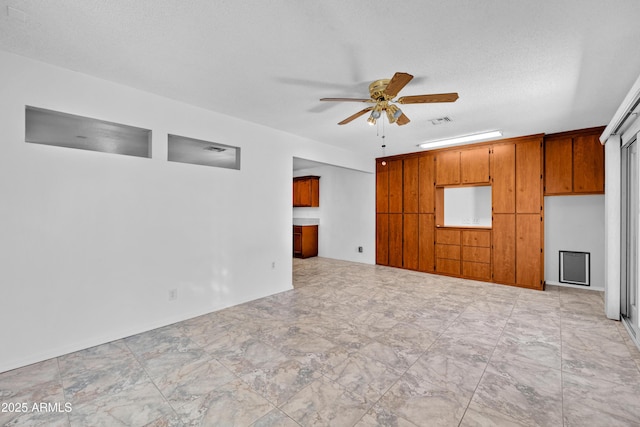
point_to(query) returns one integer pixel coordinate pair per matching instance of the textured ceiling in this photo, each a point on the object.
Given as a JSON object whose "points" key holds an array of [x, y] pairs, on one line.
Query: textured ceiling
{"points": [[520, 67]]}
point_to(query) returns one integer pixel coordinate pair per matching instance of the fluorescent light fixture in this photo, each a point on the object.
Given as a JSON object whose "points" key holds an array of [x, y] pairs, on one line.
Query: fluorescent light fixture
{"points": [[461, 139]]}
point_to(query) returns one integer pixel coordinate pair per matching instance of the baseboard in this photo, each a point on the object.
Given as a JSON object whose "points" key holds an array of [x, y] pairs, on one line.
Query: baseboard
{"points": [[568, 285]]}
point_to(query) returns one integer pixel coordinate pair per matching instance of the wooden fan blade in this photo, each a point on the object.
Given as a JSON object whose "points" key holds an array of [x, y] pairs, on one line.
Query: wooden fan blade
{"points": [[348, 99], [397, 82], [355, 116], [423, 99], [402, 120]]}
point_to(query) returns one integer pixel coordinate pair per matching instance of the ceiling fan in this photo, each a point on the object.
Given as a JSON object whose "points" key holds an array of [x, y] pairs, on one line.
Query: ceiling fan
{"points": [[382, 93]]}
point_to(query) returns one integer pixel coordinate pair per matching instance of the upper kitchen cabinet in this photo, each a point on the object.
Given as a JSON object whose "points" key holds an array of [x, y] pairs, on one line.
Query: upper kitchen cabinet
{"points": [[306, 191], [466, 167], [474, 166], [574, 163]]}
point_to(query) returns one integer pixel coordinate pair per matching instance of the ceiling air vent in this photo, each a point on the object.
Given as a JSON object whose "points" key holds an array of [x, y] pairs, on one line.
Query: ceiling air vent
{"points": [[440, 121]]}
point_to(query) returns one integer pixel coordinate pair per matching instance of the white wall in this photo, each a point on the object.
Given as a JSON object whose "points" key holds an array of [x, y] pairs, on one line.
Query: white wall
{"points": [[92, 242], [574, 223], [346, 213]]}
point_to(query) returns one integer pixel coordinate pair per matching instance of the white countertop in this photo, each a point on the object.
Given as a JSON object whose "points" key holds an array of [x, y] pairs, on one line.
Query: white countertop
{"points": [[306, 221]]}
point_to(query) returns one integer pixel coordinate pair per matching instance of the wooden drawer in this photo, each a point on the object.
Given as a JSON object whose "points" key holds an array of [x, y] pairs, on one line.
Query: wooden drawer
{"points": [[476, 270], [476, 254], [447, 251], [448, 237], [476, 238], [448, 266]]}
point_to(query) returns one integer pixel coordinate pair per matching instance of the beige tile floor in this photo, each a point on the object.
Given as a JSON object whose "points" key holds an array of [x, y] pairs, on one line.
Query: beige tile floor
{"points": [[360, 345]]}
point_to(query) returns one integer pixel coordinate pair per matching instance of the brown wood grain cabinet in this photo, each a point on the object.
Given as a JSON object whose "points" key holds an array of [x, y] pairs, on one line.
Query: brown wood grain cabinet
{"points": [[410, 241], [529, 176], [558, 165], [503, 178], [588, 164], [395, 185], [410, 211], [306, 191], [395, 240], [426, 243], [382, 239], [305, 241], [382, 187], [504, 248], [426, 183], [529, 259], [410, 188], [474, 166], [448, 168], [574, 163]]}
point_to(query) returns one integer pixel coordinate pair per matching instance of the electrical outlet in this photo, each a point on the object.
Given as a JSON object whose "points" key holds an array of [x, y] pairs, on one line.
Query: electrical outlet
{"points": [[360, 249], [173, 294]]}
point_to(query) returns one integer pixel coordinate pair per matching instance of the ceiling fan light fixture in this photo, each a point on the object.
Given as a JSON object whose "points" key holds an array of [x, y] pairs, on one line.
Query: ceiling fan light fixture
{"points": [[371, 120], [397, 113], [390, 114], [461, 139]]}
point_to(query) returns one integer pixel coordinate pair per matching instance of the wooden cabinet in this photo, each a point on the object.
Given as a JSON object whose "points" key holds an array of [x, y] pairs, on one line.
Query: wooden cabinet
{"points": [[448, 168], [426, 243], [476, 254], [410, 241], [529, 257], [410, 200], [574, 163], [426, 183], [474, 166], [504, 248], [410, 180], [529, 176], [306, 191], [503, 178], [463, 166], [448, 251], [305, 241]]}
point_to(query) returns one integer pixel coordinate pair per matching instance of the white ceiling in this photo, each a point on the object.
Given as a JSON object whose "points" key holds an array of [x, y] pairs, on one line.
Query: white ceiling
{"points": [[522, 67]]}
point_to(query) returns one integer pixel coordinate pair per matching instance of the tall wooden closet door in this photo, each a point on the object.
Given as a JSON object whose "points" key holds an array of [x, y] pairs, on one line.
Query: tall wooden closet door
{"points": [[395, 240], [410, 241], [410, 185], [528, 244], [504, 248], [395, 186], [426, 244], [382, 187], [382, 239], [503, 178], [426, 183], [529, 177]]}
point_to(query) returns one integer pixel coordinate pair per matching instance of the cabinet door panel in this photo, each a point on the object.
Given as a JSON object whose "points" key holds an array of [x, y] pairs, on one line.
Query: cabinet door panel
{"points": [[474, 165], [528, 177], [410, 241], [476, 270], [448, 237], [476, 238], [382, 239], [447, 251], [426, 183], [557, 166], [588, 164], [382, 188], [395, 240], [395, 186], [305, 192], [448, 266], [476, 254], [529, 255], [410, 185], [448, 168], [426, 246], [504, 248], [503, 177]]}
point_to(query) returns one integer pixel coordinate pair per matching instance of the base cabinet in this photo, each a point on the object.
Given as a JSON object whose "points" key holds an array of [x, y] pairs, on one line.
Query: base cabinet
{"points": [[305, 241]]}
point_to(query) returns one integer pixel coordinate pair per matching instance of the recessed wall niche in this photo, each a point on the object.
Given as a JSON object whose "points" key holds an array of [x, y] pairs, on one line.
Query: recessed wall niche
{"points": [[70, 131], [206, 153]]}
